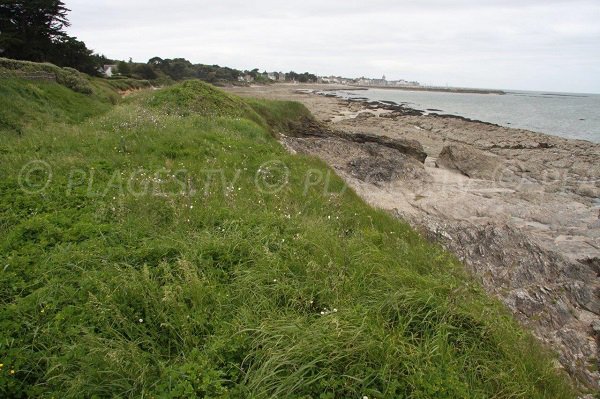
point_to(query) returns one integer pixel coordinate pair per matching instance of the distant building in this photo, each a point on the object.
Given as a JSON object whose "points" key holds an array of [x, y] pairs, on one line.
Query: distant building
{"points": [[362, 81], [108, 70], [276, 76], [246, 78], [334, 80]]}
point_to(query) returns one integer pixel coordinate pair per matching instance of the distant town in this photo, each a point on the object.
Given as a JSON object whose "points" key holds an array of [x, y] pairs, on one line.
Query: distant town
{"points": [[165, 71], [159, 69], [362, 81]]}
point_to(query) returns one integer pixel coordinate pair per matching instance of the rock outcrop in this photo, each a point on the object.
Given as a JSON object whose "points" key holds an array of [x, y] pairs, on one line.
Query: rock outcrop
{"points": [[559, 300], [411, 148], [470, 162]]}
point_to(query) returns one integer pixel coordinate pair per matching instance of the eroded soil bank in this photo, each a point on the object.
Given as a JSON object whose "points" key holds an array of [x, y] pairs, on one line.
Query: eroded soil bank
{"points": [[521, 209]]}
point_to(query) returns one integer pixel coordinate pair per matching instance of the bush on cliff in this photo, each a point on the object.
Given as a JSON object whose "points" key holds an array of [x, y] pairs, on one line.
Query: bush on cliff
{"points": [[67, 77]]}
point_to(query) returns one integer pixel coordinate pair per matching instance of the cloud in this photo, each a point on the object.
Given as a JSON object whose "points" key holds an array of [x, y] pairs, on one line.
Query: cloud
{"points": [[531, 44]]}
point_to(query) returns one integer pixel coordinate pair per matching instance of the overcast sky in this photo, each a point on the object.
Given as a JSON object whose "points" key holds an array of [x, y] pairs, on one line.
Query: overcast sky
{"points": [[511, 44]]}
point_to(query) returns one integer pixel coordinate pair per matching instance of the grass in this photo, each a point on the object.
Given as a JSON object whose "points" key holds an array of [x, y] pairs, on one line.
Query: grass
{"points": [[34, 104], [175, 250], [281, 116], [123, 83]]}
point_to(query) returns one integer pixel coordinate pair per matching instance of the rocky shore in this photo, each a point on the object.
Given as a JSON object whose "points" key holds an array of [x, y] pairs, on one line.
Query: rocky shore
{"points": [[520, 209], [432, 88]]}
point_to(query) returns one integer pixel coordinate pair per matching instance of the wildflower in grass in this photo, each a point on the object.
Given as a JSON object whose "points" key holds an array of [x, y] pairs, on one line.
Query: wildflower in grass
{"points": [[12, 372], [141, 320]]}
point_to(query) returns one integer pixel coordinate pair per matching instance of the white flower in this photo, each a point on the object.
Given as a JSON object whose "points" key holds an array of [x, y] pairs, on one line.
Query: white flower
{"points": [[335, 310], [141, 320]]}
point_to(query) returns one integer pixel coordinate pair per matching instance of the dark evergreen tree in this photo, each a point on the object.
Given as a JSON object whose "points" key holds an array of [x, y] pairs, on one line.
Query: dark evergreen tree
{"points": [[29, 29]]}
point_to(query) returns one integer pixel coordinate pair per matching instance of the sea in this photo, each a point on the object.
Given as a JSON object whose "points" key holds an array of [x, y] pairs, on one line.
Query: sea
{"points": [[570, 115]]}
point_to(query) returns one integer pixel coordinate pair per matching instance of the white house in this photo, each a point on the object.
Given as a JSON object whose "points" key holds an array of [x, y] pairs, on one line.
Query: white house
{"points": [[246, 78], [109, 70]]}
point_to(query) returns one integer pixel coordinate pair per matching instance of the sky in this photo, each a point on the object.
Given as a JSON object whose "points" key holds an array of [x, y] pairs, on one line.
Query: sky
{"points": [[551, 45]]}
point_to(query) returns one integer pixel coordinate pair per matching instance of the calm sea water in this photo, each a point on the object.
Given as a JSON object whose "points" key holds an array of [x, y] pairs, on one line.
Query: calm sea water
{"points": [[568, 115]]}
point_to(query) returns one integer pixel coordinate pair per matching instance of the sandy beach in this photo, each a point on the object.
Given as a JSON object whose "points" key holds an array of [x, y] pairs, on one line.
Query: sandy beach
{"points": [[519, 208]]}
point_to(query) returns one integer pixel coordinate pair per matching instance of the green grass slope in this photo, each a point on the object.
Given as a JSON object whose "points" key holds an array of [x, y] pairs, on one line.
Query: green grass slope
{"points": [[171, 248], [33, 104]]}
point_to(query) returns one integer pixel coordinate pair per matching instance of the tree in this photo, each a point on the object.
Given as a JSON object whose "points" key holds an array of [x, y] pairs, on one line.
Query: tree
{"points": [[33, 30], [124, 68], [179, 68], [30, 29], [68, 51], [156, 61], [144, 71]]}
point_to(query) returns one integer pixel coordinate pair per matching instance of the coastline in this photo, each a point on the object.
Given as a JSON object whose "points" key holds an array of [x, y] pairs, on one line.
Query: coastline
{"points": [[519, 208], [464, 90]]}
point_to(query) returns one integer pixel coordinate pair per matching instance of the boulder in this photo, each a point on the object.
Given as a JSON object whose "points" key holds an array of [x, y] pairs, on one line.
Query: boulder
{"points": [[377, 169], [470, 162]]}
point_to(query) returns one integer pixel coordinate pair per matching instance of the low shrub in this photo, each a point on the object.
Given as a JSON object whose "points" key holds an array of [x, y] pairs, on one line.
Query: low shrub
{"points": [[67, 77]]}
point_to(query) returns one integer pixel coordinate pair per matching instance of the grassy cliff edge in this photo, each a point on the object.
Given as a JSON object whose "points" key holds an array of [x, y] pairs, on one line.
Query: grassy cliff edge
{"points": [[168, 246]]}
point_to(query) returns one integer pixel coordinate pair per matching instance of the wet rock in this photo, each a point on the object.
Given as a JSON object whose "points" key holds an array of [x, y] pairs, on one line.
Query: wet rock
{"points": [[411, 148], [376, 169], [524, 146]]}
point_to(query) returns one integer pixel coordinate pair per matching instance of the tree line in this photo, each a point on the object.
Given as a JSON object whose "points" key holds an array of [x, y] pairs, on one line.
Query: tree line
{"points": [[34, 30], [181, 69]]}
